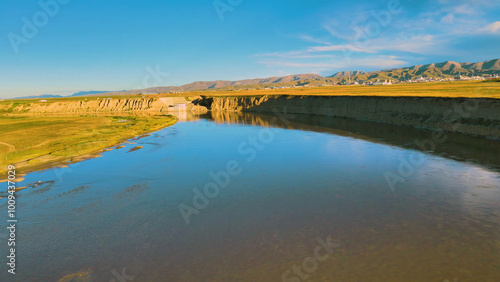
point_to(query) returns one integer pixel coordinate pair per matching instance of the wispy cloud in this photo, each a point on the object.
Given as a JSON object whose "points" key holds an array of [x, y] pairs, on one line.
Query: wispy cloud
{"points": [[493, 28], [295, 55], [315, 67], [465, 10], [345, 47], [433, 31]]}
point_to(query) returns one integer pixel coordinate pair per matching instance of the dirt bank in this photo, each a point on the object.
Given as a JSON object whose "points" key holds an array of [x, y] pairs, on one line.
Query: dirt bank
{"points": [[92, 105], [475, 116]]}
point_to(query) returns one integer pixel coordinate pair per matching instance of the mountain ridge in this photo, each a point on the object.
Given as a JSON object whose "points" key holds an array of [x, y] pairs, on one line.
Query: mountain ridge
{"points": [[441, 70], [446, 69], [77, 94]]}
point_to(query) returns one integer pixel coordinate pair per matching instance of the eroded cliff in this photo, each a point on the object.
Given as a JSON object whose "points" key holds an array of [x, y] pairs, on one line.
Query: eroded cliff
{"points": [[465, 115], [93, 105]]}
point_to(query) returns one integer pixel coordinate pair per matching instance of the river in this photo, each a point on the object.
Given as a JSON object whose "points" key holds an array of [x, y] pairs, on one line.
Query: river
{"points": [[247, 197]]}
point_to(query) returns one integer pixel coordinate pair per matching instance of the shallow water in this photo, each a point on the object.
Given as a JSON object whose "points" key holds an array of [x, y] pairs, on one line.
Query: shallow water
{"points": [[291, 184]]}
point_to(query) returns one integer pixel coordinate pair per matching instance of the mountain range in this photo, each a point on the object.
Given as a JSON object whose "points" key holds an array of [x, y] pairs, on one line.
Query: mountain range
{"points": [[226, 84], [81, 93], [448, 69]]}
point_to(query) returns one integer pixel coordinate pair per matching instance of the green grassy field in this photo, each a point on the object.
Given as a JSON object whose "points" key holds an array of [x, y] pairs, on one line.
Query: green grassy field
{"points": [[455, 89], [31, 142]]}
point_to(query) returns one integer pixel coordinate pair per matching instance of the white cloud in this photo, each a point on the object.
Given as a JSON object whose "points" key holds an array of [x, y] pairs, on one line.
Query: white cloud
{"points": [[309, 38], [491, 28], [343, 48], [378, 62], [465, 10], [295, 55], [419, 44], [448, 18], [346, 42]]}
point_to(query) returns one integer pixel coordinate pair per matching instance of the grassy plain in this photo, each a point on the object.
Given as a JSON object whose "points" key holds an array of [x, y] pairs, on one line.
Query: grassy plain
{"points": [[454, 89], [35, 142], [451, 89]]}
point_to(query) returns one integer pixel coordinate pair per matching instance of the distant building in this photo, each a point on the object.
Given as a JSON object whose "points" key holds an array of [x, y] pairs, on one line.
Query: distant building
{"points": [[43, 101], [385, 82]]}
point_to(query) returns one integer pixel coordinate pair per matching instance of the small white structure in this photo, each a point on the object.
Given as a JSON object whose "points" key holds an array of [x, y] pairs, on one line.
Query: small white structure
{"points": [[385, 82], [43, 101], [177, 107], [180, 107]]}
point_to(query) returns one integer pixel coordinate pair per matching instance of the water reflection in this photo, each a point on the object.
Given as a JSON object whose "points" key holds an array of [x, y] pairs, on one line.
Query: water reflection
{"points": [[456, 146]]}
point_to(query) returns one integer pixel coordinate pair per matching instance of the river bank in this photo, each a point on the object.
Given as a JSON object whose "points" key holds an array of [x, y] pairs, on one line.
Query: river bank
{"points": [[35, 142], [475, 116]]}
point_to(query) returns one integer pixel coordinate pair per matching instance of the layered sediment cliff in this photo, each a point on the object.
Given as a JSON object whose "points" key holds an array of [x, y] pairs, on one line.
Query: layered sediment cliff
{"points": [[464, 115], [152, 105], [104, 105]]}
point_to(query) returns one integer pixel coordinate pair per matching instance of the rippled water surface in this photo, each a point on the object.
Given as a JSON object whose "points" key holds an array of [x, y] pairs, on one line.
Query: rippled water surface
{"points": [[306, 199]]}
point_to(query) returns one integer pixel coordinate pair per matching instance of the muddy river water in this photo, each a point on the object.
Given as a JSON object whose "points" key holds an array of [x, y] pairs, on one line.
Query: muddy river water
{"points": [[246, 197]]}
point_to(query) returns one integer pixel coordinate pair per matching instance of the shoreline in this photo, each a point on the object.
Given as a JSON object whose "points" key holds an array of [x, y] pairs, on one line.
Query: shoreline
{"points": [[81, 153], [473, 116]]}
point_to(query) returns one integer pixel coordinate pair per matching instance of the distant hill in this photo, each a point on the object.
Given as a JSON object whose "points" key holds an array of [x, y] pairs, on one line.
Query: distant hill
{"points": [[40, 96], [77, 94], [446, 69], [86, 93], [226, 84], [347, 73]]}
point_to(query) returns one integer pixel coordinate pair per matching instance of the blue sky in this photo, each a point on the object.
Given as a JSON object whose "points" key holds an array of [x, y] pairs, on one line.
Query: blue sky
{"points": [[116, 45]]}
